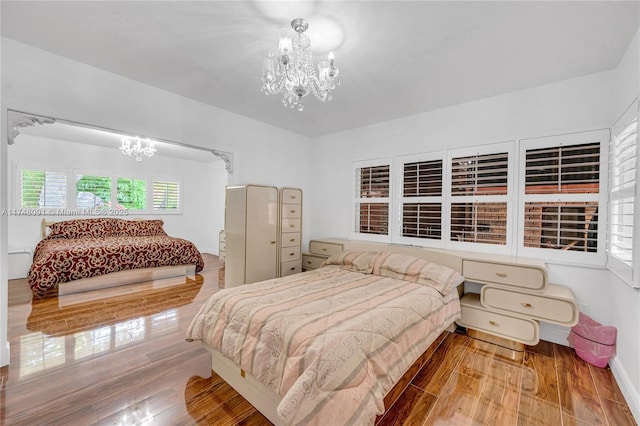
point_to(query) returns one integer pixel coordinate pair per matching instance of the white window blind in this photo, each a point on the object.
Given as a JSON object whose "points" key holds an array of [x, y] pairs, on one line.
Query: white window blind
{"points": [[166, 195], [373, 191], [623, 161], [561, 172], [422, 199], [42, 189], [479, 204]]}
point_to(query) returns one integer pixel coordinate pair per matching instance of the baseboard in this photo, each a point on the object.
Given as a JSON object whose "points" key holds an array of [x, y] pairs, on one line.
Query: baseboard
{"points": [[554, 333], [631, 394]]}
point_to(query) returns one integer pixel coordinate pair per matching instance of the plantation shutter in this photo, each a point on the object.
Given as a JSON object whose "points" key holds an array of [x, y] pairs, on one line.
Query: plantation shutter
{"points": [[166, 195], [42, 189], [422, 199], [372, 199]]}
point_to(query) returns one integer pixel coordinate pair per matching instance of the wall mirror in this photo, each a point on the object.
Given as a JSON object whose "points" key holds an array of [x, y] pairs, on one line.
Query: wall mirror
{"points": [[60, 169]]}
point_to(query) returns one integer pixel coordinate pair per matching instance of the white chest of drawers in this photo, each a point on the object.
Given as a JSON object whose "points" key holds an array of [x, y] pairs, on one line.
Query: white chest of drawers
{"points": [[514, 297], [319, 251]]}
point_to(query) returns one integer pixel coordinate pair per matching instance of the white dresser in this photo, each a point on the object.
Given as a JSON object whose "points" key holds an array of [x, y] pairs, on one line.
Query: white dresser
{"points": [[290, 231], [319, 251], [515, 295]]}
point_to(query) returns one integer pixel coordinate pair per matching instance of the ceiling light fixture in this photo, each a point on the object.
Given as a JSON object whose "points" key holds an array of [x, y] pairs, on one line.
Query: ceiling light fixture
{"points": [[295, 75], [133, 146]]}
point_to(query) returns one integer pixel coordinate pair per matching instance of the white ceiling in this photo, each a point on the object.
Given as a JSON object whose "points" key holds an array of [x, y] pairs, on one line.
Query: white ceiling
{"points": [[395, 58]]}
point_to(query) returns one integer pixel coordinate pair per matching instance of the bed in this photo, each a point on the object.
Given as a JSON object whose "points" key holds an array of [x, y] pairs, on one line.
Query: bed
{"points": [[324, 347], [87, 254]]}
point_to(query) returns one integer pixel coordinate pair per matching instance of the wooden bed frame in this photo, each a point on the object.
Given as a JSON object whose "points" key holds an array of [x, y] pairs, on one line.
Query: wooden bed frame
{"points": [[114, 279], [265, 399]]}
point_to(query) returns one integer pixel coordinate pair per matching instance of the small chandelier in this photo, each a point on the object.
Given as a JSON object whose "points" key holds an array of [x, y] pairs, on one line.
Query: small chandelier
{"points": [[295, 75], [133, 146]]}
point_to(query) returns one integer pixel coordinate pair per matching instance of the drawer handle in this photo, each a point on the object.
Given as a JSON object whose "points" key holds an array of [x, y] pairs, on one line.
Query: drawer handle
{"points": [[293, 269], [501, 274], [324, 249], [273, 242], [292, 226], [293, 197], [526, 305], [495, 324], [292, 239], [309, 262], [292, 211]]}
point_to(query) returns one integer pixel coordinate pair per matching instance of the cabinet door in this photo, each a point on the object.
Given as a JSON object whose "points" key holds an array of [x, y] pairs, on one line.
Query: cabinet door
{"points": [[262, 232]]}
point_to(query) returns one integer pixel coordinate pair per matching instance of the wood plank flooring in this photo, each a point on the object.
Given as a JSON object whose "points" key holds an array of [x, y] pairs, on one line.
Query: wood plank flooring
{"points": [[121, 359]]}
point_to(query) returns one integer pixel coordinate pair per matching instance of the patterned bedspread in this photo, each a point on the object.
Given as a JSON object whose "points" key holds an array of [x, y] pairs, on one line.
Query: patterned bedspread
{"points": [[330, 342], [57, 261]]}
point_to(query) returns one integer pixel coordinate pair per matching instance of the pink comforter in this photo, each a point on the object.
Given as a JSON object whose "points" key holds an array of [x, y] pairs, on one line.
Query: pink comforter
{"points": [[330, 342]]}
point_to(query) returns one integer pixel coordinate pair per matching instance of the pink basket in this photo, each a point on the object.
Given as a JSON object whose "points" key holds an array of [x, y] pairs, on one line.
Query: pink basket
{"points": [[593, 342]]}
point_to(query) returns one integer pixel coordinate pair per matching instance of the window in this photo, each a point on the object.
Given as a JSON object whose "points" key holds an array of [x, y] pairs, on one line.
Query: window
{"points": [[561, 195], [166, 195], [93, 192], [131, 194], [373, 195], [421, 179], [39, 188], [623, 160], [479, 196]]}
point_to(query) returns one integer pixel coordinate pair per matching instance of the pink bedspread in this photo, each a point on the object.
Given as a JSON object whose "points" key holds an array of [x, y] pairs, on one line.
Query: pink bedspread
{"points": [[330, 342], [59, 260]]}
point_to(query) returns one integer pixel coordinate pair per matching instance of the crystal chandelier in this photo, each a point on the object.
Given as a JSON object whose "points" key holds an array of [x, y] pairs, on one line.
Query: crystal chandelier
{"points": [[295, 75], [133, 146]]}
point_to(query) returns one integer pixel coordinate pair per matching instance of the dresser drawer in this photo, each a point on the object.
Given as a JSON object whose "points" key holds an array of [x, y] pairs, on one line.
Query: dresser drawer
{"points": [[291, 196], [289, 253], [555, 305], [477, 317], [291, 211], [527, 277], [324, 248], [290, 225], [291, 239], [290, 268], [312, 261]]}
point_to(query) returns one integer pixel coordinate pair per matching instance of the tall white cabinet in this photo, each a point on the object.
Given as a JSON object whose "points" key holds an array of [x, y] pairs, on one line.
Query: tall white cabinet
{"points": [[290, 243], [251, 233]]}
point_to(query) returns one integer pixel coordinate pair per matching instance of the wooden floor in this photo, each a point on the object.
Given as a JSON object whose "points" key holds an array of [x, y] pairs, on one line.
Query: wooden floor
{"points": [[123, 360]]}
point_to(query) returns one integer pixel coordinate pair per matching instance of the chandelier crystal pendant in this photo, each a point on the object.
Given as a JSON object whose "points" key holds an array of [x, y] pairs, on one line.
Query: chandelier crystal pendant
{"points": [[294, 76], [133, 147]]}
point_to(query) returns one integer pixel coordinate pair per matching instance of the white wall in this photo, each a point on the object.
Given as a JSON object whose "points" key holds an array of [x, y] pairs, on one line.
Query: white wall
{"points": [[202, 186], [42, 83], [583, 103]]}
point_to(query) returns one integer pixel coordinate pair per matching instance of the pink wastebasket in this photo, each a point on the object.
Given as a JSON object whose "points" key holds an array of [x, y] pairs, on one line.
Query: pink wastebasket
{"points": [[593, 342]]}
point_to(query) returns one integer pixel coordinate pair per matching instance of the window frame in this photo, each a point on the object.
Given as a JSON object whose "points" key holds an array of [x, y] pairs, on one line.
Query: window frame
{"points": [[628, 272], [569, 139], [356, 200], [398, 206]]}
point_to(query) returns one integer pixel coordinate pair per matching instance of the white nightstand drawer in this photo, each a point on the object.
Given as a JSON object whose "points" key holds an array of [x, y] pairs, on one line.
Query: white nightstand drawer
{"points": [[291, 196], [291, 211], [290, 225], [290, 239], [289, 253], [312, 261], [290, 268], [556, 304], [476, 317], [528, 277], [324, 248]]}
